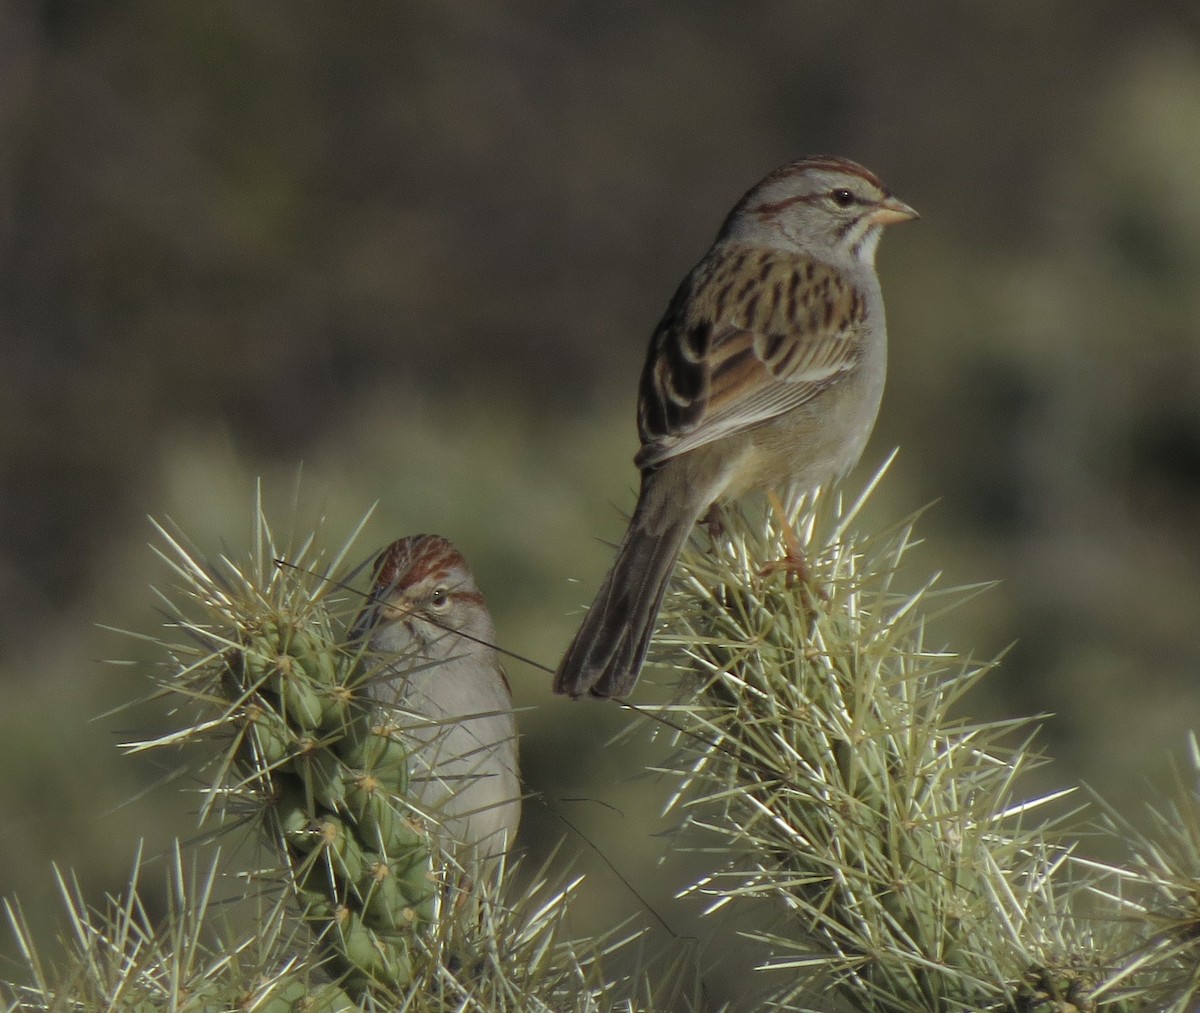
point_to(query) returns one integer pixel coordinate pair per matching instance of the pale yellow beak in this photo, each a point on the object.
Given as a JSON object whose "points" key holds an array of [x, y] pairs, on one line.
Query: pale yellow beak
{"points": [[890, 210]]}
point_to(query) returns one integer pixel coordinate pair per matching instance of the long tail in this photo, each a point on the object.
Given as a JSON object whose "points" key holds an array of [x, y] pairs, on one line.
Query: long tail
{"points": [[609, 649]]}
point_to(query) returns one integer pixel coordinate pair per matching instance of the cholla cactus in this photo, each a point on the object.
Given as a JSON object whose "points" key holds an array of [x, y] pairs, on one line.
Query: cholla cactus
{"points": [[503, 953], [1159, 891], [814, 737], [371, 914], [122, 958], [817, 741], [336, 782], [264, 645]]}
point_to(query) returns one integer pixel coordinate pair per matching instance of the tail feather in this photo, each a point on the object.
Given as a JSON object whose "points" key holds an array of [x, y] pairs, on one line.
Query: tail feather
{"points": [[608, 651]]}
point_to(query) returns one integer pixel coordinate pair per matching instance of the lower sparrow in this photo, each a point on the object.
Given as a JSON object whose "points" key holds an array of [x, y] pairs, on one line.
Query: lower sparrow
{"points": [[426, 607]]}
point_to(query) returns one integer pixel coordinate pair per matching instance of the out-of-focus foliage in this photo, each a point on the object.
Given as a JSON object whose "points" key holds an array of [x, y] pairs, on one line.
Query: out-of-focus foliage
{"points": [[420, 248]]}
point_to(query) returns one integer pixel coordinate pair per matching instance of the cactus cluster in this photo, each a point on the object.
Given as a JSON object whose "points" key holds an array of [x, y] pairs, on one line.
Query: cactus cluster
{"points": [[817, 744], [818, 740], [335, 779], [850, 795], [267, 679]]}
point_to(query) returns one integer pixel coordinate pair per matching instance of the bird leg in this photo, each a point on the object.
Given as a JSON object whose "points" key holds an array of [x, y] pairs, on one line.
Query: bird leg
{"points": [[793, 561], [712, 522]]}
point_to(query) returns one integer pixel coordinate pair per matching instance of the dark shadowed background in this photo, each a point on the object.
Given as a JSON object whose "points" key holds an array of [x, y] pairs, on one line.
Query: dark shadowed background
{"points": [[419, 248]]}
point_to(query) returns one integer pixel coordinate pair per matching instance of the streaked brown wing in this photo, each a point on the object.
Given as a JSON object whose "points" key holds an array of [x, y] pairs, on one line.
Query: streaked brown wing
{"points": [[748, 338]]}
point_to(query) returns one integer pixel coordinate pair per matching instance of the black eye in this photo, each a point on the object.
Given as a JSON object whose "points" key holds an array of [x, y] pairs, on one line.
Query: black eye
{"points": [[439, 599], [843, 198]]}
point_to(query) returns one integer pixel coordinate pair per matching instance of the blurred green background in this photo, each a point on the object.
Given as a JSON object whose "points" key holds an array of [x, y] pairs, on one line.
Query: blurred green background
{"points": [[421, 247]]}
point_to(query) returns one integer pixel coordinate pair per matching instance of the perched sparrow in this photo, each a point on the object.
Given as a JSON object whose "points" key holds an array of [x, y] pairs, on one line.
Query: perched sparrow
{"points": [[766, 371], [425, 604]]}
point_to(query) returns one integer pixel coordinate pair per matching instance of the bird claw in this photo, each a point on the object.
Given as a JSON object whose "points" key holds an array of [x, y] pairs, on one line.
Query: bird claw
{"points": [[795, 566], [793, 563], [712, 522]]}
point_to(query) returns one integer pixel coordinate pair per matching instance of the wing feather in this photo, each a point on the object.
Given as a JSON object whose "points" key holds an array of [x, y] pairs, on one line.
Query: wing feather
{"points": [[750, 335]]}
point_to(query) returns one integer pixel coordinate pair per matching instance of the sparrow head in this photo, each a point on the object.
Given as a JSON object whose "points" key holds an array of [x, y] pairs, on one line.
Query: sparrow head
{"points": [[823, 204], [424, 594]]}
